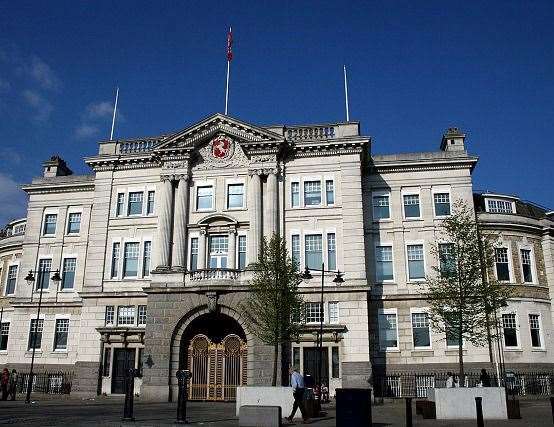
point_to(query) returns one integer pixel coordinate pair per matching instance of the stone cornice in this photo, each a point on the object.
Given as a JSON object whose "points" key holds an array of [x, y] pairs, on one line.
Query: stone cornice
{"points": [[52, 187], [330, 147], [432, 164]]}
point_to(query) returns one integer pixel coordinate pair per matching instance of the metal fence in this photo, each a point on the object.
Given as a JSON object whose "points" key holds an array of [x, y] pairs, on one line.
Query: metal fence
{"points": [[407, 384], [46, 382]]}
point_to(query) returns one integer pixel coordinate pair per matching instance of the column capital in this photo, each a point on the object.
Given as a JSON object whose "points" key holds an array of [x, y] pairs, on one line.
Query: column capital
{"points": [[203, 229], [233, 229], [253, 172]]}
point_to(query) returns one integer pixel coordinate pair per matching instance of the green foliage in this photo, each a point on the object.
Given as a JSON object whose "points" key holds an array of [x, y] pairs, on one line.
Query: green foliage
{"points": [[461, 296], [273, 301]]}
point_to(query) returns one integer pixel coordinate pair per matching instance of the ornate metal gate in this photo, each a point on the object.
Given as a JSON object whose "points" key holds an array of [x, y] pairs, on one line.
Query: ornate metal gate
{"points": [[217, 369]]}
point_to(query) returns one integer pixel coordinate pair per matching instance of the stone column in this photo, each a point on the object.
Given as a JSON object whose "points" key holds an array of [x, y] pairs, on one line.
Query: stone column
{"points": [[255, 211], [163, 235], [180, 224], [232, 247], [202, 249], [271, 208]]}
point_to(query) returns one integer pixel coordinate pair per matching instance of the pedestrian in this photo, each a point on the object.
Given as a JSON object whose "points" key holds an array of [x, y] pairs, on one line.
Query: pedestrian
{"points": [[297, 384], [13, 384], [449, 380], [485, 378], [4, 383]]}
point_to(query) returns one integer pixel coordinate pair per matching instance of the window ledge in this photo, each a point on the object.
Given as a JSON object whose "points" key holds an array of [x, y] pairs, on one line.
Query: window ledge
{"points": [[377, 221], [391, 350], [424, 351], [60, 352], [413, 219], [29, 353], [67, 291], [538, 350], [514, 349], [2, 352]]}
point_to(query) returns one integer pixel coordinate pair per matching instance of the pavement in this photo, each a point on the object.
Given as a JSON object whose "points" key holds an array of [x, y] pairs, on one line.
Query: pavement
{"points": [[107, 411]]}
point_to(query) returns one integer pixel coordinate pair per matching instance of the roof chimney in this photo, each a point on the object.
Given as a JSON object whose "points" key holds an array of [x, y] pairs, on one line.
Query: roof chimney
{"points": [[56, 166], [453, 140]]}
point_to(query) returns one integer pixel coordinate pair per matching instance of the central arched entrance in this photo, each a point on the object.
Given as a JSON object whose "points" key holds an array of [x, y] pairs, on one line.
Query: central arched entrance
{"points": [[214, 349]]}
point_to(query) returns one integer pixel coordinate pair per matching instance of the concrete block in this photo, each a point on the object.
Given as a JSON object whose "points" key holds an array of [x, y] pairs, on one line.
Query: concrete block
{"points": [[270, 396], [459, 403], [254, 416]]}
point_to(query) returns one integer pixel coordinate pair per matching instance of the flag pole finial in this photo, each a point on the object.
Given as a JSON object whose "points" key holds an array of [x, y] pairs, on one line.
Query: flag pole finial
{"points": [[114, 112]]}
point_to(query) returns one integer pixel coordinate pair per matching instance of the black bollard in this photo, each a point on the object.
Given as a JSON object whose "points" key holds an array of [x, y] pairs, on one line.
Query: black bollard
{"points": [[479, 407], [552, 407], [129, 395], [183, 376], [408, 412]]}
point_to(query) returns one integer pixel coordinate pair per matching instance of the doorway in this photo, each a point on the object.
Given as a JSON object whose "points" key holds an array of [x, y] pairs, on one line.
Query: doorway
{"points": [[311, 364], [123, 359]]}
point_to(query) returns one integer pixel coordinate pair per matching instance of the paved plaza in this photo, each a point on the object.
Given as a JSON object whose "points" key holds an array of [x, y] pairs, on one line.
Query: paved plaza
{"points": [[108, 412]]}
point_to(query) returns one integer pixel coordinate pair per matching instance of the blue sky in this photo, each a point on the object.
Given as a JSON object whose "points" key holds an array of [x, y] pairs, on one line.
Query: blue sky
{"points": [[415, 68]]}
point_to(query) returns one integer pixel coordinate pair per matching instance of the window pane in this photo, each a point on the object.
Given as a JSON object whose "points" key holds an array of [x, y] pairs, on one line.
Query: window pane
{"points": [[447, 259], [381, 207], [35, 334], [142, 315], [126, 315], [68, 274], [295, 240], [312, 193], [150, 203], [135, 203], [330, 192], [526, 265], [411, 206], [313, 251], [335, 362], [442, 204], [333, 312], [43, 275], [420, 329], [193, 253], [204, 198], [74, 223], [115, 259], [331, 252], [416, 265], [534, 325], [130, 260], [61, 333], [4, 335], [295, 194], [12, 277], [452, 339], [242, 252], [147, 254], [510, 330], [499, 206], [502, 265], [313, 312], [388, 326], [50, 223], [110, 315], [384, 267], [120, 204], [235, 196]]}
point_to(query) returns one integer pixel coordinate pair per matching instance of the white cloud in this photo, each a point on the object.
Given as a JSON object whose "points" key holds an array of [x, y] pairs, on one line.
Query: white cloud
{"points": [[41, 73], [99, 110], [85, 130], [14, 200], [42, 107]]}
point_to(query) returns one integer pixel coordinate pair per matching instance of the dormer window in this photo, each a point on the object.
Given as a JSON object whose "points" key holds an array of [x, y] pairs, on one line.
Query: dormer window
{"points": [[500, 206]]}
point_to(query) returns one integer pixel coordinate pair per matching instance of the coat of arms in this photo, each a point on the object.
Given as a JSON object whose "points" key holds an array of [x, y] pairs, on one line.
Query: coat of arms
{"points": [[221, 147]]}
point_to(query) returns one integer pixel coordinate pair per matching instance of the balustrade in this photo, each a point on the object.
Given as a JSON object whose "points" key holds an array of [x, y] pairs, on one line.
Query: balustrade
{"points": [[215, 274], [135, 146], [311, 133]]}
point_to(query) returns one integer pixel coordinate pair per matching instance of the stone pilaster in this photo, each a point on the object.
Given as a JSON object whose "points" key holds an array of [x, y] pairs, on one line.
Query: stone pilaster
{"points": [[232, 246], [163, 236], [271, 209], [180, 224], [255, 211], [202, 248]]}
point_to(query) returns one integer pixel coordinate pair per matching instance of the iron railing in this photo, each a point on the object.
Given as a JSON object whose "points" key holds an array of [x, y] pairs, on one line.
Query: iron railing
{"points": [[409, 384], [46, 382]]}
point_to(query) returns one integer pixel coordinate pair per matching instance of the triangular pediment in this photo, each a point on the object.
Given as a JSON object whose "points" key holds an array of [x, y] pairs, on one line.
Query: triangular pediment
{"points": [[197, 134]]}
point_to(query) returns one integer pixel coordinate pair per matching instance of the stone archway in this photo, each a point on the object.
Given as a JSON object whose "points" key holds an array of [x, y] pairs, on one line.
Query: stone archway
{"points": [[213, 345]]}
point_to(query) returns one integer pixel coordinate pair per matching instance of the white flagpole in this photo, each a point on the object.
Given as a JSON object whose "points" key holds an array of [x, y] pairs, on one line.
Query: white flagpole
{"points": [[346, 94], [227, 88], [227, 85], [114, 112]]}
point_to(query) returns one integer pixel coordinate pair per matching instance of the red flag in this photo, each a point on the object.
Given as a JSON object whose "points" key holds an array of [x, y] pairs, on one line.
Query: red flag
{"points": [[229, 45]]}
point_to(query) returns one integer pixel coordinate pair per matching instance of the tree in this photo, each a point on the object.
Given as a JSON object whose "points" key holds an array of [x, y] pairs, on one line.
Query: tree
{"points": [[461, 295], [273, 308]]}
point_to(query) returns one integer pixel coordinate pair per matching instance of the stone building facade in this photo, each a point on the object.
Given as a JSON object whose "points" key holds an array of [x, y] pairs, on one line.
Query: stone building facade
{"points": [[154, 248]]}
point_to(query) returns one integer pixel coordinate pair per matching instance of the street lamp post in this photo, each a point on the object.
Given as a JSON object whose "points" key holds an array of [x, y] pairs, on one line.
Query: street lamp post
{"points": [[30, 279], [338, 280]]}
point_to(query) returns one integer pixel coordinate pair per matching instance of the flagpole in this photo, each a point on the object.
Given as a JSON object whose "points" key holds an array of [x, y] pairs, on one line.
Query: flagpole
{"points": [[229, 57], [227, 87], [346, 94], [114, 112]]}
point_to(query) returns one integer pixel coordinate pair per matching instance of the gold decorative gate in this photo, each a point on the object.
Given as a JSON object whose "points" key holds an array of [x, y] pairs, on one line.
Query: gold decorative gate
{"points": [[217, 369]]}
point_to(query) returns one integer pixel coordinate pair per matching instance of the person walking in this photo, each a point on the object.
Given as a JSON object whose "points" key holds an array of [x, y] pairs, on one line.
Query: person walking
{"points": [[485, 378], [297, 384], [13, 384], [5, 383], [449, 380]]}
